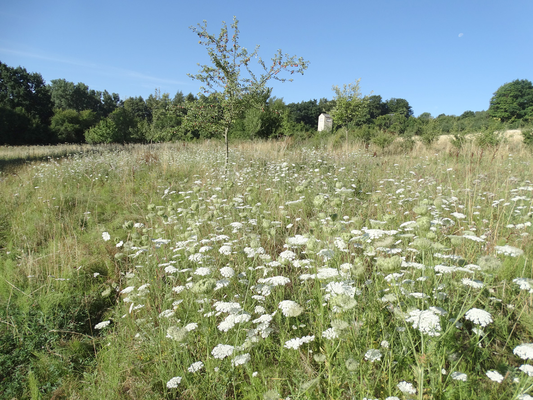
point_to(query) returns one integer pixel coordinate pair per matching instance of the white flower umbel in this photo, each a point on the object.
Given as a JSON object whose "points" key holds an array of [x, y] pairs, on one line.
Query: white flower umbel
{"points": [[297, 342], [525, 284], [406, 387], [195, 367], [330, 334], [509, 251], [290, 308], [494, 376], [275, 280], [222, 351], [102, 325], [524, 351], [225, 250], [472, 283], [478, 317], [227, 272], [373, 355], [459, 376], [174, 382], [106, 236], [241, 359], [526, 368], [426, 322]]}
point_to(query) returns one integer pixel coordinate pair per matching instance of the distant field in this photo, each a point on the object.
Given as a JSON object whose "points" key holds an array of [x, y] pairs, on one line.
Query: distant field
{"points": [[301, 272]]}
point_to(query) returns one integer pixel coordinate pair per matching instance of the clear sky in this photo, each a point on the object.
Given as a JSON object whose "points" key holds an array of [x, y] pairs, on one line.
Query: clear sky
{"points": [[442, 56]]}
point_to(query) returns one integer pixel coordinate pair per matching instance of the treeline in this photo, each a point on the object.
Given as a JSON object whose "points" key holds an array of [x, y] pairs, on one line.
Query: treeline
{"points": [[33, 112]]}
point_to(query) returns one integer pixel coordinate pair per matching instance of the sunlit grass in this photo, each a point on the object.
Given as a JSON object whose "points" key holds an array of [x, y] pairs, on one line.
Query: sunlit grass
{"points": [[305, 272]]}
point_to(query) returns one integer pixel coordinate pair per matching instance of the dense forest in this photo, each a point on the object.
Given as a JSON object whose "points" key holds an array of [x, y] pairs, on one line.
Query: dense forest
{"points": [[34, 112]]}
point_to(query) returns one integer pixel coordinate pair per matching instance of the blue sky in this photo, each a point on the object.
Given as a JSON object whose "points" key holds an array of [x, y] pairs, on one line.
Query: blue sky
{"points": [[443, 56]]}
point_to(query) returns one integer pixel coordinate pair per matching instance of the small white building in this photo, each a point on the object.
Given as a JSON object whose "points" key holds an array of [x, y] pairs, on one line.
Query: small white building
{"points": [[325, 122]]}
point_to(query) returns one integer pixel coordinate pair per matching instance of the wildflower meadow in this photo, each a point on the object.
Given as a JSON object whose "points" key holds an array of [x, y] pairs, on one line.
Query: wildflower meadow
{"points": [[297, 272]]}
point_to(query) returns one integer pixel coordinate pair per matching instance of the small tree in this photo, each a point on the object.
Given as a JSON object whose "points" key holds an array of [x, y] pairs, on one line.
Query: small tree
{"points": [[350, 106], [224, 82]]}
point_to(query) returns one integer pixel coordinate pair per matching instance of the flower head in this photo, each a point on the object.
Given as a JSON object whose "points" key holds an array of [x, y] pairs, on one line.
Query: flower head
{"points": [[524, 351], [174, 382], [478, 317], [406, 387]]}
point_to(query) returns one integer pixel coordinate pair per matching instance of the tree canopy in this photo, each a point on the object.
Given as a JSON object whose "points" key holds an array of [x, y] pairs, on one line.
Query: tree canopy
{"points": [[513, 101]]}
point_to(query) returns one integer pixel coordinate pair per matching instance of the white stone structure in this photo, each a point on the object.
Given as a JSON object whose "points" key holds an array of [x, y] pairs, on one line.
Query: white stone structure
{"points": [[325, 122]]}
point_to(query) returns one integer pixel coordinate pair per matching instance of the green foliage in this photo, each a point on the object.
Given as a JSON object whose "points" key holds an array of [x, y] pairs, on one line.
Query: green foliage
{"points": [[20, 89], [120, 127], [350, 105], [512, 101], [527, 137], [383, 139], [70, 125], [399, 106], [69, 96], [224, 81], [19, 127]]}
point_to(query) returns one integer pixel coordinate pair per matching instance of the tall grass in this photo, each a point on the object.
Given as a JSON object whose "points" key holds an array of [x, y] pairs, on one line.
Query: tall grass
{"points": [[325, 271]]}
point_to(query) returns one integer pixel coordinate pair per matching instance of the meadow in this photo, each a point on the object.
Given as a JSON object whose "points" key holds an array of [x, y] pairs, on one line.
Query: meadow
{"points": [[299, 272]]}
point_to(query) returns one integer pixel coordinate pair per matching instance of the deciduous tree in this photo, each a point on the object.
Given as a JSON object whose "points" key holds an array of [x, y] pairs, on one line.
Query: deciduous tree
{"points": [[230, 81], [512, 101]]}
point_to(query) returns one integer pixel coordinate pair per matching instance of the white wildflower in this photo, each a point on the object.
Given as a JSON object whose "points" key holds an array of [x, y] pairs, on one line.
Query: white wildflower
{"points": [[524, 351], [275, 280], [241, 359], [225, 250], [287, 255], [472, 283], [425, 321], [227, 272], [290, 308], [373, 355], [127, 290], [509, 251], [191, 327], [406, 387], [174, 382], [222, 351], [106, 236], [195, 367], [526, 368], [330, 334], [102, 325], [478, 317], [459, 376], [297, 342], [494, 376], [202, 271]]}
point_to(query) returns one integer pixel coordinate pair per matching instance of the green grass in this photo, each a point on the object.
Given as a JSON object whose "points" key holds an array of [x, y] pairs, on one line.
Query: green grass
{"points": [[187, 241]]}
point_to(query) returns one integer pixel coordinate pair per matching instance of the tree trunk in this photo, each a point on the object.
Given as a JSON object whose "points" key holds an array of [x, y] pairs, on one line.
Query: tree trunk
{"points": [[226, 163]]}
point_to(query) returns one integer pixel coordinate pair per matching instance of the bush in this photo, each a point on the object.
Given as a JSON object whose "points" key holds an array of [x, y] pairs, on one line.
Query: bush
{"points": [[70, 125], [383, 140], [527, 135], [119, 127]]}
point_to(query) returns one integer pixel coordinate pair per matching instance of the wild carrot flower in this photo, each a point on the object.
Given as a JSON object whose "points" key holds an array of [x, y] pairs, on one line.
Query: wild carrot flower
{"points": [[297, 342], [524, 351], [373, 355], [426, 322], [478, 317], [222, 351], [195, 367], [406, 387], [494, 376], [290, 308], [106, 236], [174, 382], [241, 359], [459, 376], [526, 368], [102, 325]]}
